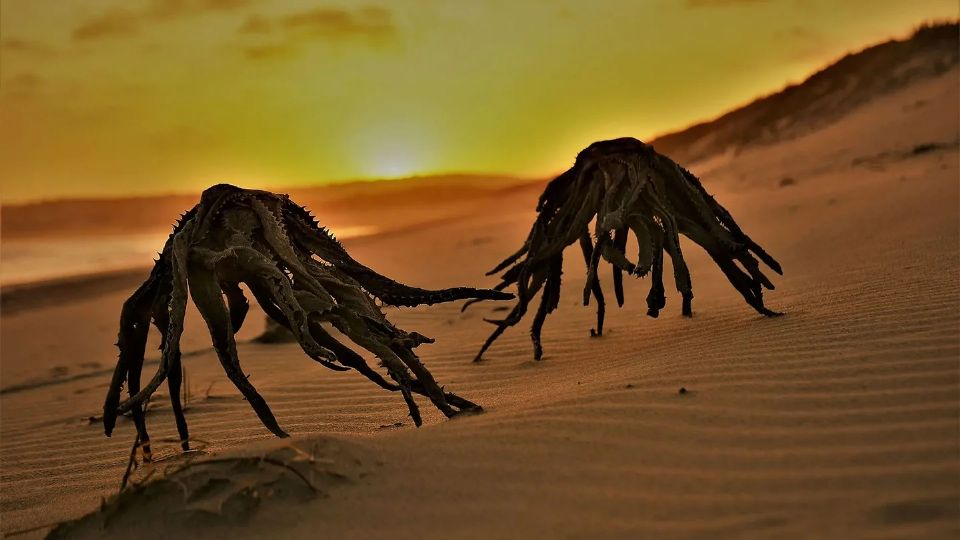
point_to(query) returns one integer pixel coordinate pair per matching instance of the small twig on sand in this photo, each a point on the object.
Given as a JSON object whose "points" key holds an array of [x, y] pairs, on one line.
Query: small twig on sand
{"points": [[131, 463], [186, 387]]}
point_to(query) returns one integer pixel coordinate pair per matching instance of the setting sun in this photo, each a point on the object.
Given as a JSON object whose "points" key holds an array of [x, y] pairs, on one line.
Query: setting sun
{"points": [[392, 150]]}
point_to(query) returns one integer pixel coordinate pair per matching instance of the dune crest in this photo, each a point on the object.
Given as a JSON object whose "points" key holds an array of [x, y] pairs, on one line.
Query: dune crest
{"points": [[824, 97]]}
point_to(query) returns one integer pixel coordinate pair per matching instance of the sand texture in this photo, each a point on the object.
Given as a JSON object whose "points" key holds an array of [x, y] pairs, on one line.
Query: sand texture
{"points": [[838, 420]]}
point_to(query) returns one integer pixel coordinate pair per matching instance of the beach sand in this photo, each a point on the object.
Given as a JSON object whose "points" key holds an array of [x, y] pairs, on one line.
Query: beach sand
{"points": [[838, 420]]}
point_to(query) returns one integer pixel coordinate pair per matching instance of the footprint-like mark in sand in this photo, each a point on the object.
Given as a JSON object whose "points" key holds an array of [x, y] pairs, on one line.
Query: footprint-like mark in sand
{"points": [[220, 491], [915, 511]]}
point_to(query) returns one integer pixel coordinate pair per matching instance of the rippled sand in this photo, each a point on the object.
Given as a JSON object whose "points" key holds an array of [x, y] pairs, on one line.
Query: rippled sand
{"points": [[836, 420]]}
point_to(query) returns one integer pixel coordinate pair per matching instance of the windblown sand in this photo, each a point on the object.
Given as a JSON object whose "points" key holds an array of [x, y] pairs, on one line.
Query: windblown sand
{"points": [[839, 419]]}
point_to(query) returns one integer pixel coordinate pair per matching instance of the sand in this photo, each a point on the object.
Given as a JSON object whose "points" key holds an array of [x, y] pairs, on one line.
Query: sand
{"points": [[838, 420]]}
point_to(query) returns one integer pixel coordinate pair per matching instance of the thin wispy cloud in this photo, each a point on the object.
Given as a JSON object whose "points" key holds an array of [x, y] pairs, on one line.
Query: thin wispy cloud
{"points": [[268, 52], [27, 80], [24, 46], [116, 22], [721, 3], [124, 22], [339, 24], [283, 36], [174, 9], [256, 24], [23, 85]]}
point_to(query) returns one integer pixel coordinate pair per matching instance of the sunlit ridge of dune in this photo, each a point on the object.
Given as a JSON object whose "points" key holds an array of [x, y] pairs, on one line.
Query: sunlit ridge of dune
{"points": [[825, 96]]}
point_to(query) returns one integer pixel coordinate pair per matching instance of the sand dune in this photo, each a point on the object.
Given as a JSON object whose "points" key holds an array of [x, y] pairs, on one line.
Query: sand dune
{"points": [[838, 420], [822, 98]]}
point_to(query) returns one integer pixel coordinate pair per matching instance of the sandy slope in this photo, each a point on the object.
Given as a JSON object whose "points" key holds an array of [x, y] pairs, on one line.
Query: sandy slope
{"points": [[838, 420]]}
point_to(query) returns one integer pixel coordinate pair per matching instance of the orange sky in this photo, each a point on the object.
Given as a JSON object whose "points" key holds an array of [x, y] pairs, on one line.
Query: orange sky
{"points": [[111, 97]]}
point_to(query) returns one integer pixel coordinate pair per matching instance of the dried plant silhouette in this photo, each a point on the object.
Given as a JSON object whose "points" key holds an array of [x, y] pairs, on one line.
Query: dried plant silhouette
{"points": [[299, 274], [625, 185]]}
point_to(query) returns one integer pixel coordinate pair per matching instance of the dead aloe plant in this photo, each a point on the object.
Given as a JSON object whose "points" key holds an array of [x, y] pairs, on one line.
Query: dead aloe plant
{"points": [[299, 274], [624, 186]]}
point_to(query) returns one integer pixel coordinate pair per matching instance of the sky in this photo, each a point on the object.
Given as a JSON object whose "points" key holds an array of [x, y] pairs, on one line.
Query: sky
{"points": [[132, 97]]}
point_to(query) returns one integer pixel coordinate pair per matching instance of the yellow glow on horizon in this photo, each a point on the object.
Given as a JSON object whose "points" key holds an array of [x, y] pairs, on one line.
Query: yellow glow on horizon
{"points": [[394, 164], [392, 149]]}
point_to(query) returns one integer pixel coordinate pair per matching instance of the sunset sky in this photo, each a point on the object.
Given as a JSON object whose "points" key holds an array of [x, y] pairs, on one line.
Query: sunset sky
{"points": [[111, 97]]}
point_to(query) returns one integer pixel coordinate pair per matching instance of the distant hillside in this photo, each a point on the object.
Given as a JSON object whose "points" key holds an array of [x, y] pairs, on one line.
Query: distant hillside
{"points": [[823, 98], [351, 203]]}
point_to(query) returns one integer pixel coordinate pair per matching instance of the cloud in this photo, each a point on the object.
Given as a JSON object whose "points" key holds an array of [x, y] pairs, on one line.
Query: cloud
{"points": [[23, 46], [174, 9], [269, 52], [721, 3], [284, 35], [340, 24], [122, 22], [256, 24], [23, 85], [116, 22], [27, 80]]}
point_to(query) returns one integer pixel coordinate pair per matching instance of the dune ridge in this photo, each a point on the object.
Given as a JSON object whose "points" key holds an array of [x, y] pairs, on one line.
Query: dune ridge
{"points": [[379, 203], [823, 97]]}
